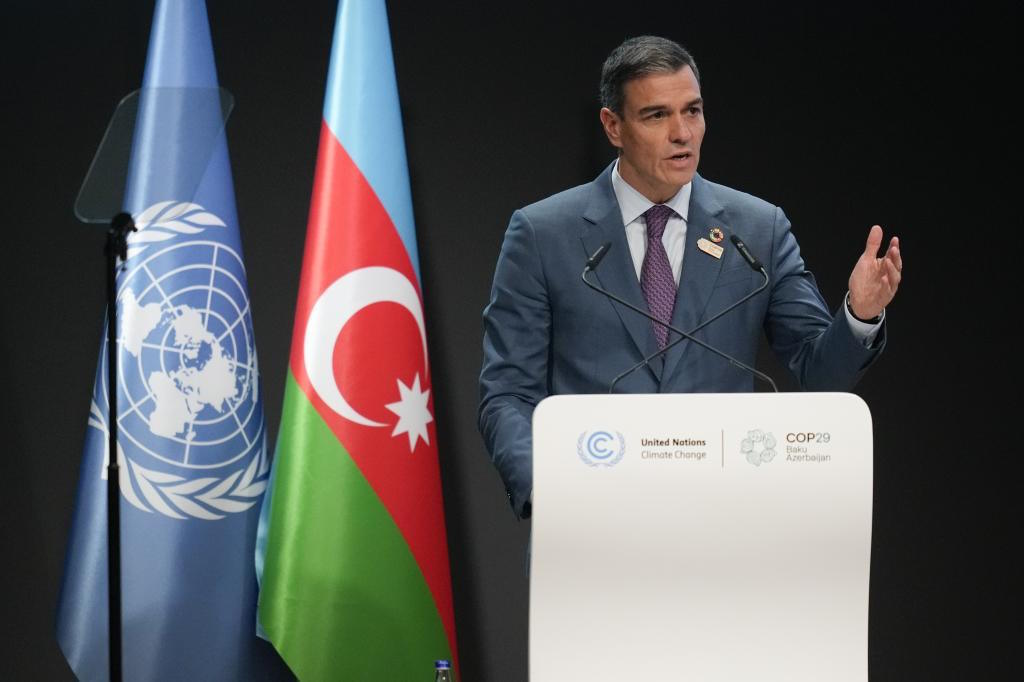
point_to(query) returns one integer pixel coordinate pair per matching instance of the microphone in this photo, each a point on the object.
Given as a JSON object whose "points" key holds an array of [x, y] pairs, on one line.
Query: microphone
{"points": [[599, 255], [744, 251]]}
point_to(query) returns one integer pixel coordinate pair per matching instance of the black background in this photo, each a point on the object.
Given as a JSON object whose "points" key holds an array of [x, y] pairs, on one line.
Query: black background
{"points": [[845, 115]]}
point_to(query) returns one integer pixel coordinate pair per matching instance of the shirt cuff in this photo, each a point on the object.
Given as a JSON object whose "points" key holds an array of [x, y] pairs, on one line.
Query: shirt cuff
{"points": [[865, 332]]}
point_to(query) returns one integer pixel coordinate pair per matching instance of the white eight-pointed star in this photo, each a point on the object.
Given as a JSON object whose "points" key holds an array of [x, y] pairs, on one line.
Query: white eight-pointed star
{"points": [[413, 415]]}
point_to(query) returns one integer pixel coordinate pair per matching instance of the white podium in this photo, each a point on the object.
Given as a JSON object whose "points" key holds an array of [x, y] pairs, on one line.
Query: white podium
{"points": [[701, 537]]}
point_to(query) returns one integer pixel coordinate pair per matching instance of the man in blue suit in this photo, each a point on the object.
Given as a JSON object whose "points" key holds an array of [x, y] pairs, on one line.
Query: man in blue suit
{"points": [[547, 333]]}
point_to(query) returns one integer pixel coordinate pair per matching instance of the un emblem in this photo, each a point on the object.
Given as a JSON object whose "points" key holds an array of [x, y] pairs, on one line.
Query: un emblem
{"points": [[601, 448], [191, 435]]}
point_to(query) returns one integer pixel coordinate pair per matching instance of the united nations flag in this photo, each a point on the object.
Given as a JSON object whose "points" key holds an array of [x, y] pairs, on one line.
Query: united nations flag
{"points": [[191, 433]]}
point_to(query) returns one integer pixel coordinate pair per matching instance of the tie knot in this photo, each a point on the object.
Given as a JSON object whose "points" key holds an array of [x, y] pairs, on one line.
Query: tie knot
{"points": [[657, 217]]}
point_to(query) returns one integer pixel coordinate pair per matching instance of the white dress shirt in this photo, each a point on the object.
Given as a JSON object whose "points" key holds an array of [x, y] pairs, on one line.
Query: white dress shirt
{"points": [[633, 205]]}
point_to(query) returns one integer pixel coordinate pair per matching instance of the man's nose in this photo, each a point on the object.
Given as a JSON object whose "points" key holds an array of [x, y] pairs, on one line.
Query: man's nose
{"points": [[680, 129]]}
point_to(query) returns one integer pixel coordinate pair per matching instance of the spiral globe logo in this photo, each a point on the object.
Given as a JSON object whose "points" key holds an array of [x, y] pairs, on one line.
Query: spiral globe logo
{"points": [[191, 431], [758, 447], [601, 448]]}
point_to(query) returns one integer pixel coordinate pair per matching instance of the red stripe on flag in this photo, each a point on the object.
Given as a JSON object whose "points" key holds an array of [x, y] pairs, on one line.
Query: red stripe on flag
{"points": [[380, 345]]}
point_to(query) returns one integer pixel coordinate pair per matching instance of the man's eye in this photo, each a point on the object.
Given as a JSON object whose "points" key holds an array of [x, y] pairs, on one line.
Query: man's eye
{"points": [[695, 111], [658, 115]]}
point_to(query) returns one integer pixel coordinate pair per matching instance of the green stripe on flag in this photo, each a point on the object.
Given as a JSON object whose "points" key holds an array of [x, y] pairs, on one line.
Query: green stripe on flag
{"points": [[342, 597]]}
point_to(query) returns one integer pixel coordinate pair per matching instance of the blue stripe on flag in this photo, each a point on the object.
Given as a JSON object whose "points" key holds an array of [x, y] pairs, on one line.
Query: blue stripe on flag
{"points": [[362, 109]]}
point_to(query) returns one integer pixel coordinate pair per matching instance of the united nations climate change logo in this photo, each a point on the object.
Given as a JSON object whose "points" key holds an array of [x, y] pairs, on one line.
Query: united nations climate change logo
{"points": [[601, 448], [191, 436], [758, 446]]}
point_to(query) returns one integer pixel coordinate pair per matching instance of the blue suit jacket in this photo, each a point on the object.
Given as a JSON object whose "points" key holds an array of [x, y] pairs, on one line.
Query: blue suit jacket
{"points": [[547, 333]]}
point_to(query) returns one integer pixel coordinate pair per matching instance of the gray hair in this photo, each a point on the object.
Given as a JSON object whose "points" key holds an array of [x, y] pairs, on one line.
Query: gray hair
{"points": [[638, 57]]}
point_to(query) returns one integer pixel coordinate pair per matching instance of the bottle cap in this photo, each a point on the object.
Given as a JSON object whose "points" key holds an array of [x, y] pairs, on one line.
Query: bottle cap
{"points": [[442, 665]]}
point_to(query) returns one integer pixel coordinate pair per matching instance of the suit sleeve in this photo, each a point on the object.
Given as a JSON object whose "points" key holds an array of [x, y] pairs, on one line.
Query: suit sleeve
{"points": [[821, 350], [514, 376]]}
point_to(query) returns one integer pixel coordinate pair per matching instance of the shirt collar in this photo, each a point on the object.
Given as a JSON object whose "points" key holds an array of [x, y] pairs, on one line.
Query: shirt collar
{"points": [[632, 204]]}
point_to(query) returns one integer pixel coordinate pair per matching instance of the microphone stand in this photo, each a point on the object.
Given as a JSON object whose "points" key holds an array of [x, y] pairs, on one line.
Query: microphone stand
{"points": [[683, 337], [756, 265], [116, 247]]}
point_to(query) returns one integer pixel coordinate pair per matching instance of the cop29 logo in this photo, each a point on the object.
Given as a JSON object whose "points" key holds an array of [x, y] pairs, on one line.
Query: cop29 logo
{"points": [[758, 447], [601, 448]]}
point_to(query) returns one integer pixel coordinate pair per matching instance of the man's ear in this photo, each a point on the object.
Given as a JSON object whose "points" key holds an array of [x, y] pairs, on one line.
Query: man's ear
{"points": [[612, 126]]}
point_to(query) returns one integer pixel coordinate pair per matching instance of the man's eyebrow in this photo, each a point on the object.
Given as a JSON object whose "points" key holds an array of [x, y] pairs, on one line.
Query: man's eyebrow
{"points": [[651, 109], [697, 101]]}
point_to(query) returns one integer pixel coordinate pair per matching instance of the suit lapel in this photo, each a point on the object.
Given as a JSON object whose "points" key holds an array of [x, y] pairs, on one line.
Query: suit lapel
{"points": [[700, 271], [616, 272]]}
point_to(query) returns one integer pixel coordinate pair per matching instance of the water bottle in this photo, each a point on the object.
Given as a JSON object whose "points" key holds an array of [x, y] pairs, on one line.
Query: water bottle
{"points": [[443, 671]]}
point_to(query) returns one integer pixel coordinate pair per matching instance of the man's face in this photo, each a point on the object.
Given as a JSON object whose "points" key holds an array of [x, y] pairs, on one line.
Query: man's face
{"points": [[659, 132]]}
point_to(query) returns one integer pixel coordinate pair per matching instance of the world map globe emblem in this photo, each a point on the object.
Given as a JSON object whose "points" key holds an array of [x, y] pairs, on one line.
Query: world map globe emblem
{"points": [[190, 437], [188, 374]]}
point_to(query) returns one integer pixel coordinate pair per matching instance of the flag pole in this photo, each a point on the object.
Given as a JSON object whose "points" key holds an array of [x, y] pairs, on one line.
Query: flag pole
{"points": [[116, 247]]}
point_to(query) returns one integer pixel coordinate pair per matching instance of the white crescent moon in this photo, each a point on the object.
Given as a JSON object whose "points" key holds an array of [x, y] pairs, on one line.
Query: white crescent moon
{"points": [[346, 296]]}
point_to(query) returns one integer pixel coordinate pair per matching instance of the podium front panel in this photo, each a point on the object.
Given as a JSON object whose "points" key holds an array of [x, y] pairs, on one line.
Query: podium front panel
{"points": [[701, 537]]}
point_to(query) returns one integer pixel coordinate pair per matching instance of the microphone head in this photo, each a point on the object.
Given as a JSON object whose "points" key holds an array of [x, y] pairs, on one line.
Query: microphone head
{"points": [[745, 252], [598, 256]]}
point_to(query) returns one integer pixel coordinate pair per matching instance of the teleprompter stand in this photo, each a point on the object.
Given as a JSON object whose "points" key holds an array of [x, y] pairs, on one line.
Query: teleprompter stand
{"points": [[150, 129]]}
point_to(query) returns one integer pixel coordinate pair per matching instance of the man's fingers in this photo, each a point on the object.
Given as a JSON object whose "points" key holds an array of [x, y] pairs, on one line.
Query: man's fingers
{"points": [[892, 274], [874, 242], [893, 253]]}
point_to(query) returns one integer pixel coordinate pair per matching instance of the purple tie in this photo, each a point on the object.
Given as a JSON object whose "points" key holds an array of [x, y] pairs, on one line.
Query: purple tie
{"points": [[656, 279]]}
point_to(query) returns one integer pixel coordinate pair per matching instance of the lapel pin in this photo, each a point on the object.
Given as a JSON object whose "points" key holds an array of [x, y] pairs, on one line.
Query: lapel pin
{"points": [[711, 249], [717, 235]]}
